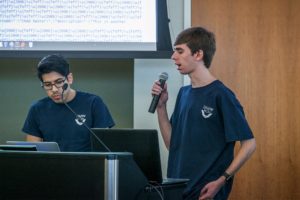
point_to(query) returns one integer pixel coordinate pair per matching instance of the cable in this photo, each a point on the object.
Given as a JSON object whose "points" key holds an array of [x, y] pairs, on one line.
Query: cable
{"points": [[152, 186], [82, 120]]}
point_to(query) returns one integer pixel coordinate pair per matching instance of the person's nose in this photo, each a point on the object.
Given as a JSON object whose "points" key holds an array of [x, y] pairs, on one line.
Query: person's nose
{"points": [[173, 57], [54, 88]]}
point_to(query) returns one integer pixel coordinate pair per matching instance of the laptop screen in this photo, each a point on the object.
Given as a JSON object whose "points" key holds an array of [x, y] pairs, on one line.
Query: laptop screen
{"points": [[143, 143], [40, 146]]}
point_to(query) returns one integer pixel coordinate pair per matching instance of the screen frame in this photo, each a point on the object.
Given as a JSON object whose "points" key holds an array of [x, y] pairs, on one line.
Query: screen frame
{"points": [[164, 47]]}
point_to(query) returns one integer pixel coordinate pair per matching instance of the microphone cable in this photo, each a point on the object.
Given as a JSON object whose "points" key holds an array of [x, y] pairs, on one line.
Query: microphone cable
{"points": [[65, 86], [157, 188]]}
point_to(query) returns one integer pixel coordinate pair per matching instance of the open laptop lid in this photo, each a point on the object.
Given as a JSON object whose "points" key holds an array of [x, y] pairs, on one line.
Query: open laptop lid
{"points": [[40, 146], [143, 143], [11, 147]]}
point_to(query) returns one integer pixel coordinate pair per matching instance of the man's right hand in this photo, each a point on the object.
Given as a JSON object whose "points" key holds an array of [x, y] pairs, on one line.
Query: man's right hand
{"points": [[157, 90]]}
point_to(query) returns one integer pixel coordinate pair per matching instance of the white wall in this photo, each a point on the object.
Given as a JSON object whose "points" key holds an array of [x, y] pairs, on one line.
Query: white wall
{"points": [[146, 71]]}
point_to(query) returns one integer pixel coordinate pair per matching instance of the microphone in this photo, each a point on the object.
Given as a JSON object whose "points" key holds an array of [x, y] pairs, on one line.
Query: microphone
{"points": [[64, 87], [163, 77]]}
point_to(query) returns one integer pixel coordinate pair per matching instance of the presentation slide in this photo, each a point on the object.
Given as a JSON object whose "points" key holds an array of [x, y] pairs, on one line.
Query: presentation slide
{"points": [[78, 25]]}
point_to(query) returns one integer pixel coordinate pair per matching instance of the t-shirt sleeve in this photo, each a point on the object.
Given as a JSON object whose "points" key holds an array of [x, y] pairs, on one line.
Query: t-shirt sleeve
{"points": [[101, 115], [235, 124], [31, 126]]}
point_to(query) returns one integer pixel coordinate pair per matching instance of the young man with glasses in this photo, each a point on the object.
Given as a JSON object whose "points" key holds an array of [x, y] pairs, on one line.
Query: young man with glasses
{"points": [[49, 119]]}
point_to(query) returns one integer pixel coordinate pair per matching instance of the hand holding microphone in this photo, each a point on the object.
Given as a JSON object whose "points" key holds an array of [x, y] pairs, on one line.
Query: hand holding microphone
{"points": [[161, 82]]}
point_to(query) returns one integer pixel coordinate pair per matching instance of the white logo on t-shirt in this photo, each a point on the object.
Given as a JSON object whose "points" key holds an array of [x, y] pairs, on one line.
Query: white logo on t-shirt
{"points": [[207, 111], [80, 119]]}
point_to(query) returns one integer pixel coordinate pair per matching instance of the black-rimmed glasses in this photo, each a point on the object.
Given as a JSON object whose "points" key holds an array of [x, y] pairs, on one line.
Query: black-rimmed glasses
{"points": [[57, 83]]}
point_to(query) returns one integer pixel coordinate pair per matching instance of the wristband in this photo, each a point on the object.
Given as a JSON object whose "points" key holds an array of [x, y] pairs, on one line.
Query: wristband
{"points": [[227, 176]]}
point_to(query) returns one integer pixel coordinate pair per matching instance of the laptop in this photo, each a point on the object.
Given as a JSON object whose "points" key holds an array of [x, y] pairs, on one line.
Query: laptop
{"points": [[144, 145], [40, 146], [8, 147]]}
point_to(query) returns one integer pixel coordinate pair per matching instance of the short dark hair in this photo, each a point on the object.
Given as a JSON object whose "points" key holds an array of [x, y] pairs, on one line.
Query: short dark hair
{"points": [[53, 63], [198, 38]]}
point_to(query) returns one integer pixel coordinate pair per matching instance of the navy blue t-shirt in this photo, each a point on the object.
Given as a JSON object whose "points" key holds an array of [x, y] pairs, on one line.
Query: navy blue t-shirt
{"points": [[205, 125], [55, 122]]}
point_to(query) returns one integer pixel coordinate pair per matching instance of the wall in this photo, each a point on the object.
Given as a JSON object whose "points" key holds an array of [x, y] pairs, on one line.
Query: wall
{"points": [[258, 48]]}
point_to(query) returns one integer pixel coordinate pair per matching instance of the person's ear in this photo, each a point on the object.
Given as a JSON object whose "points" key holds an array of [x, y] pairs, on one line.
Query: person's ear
{"points": [[199, 55], [70, 78]]}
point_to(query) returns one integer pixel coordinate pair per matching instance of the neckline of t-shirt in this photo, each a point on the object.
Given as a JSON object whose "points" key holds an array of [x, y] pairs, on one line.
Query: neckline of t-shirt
{"points": [[68, 102], [213, 83], [74, 98]]}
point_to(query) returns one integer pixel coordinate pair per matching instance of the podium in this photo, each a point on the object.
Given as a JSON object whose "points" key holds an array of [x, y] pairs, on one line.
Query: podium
{"points": [[72, 175], [41, 175]]}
